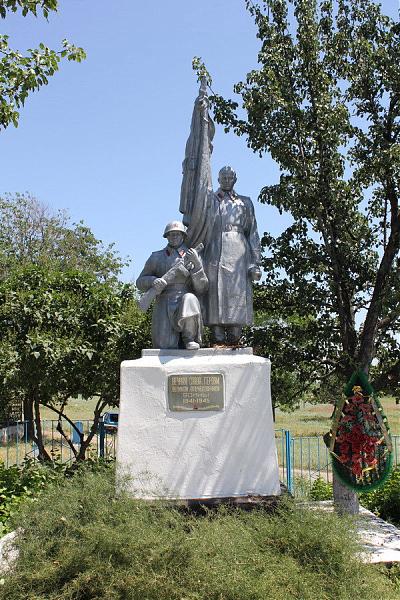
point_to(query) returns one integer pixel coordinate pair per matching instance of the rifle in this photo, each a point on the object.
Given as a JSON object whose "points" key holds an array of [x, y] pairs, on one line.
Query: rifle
{"points": [[169, 277]]}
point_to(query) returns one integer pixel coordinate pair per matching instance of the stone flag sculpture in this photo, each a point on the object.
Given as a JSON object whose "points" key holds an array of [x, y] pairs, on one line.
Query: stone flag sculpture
{"points": [[225, 223], [196, 181]]}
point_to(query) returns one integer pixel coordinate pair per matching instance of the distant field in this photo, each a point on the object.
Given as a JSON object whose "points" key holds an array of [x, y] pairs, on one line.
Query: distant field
{"points": [[311, 419], [314, 419], [77, 410]]}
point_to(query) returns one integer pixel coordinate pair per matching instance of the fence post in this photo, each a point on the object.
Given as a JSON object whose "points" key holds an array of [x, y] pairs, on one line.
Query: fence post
{"points": [[102, 438], [288, 444]]}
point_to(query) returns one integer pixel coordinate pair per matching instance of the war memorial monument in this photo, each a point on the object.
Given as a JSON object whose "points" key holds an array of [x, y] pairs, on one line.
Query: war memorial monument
{"points": [[196, 423]]}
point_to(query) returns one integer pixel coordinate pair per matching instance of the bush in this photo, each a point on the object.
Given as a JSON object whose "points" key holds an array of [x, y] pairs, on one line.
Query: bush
{"points": [[321, 490], [81, 542], [19, 484], [385, 501], [25, 483]]}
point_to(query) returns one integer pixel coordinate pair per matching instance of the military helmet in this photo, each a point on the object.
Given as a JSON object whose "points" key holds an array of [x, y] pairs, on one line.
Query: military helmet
{"points": [[174, 226], [226, 170]]}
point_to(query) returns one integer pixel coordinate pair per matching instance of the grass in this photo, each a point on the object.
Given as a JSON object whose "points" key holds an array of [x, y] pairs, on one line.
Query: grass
{"points": [[315, 419], [80, 542], [77, 409]]}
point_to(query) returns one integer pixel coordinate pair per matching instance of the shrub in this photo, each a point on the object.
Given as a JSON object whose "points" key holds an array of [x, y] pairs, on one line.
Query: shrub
{"points": [[19, 484], [81, 542], [25, 483], [385, 501], [321, 490]]}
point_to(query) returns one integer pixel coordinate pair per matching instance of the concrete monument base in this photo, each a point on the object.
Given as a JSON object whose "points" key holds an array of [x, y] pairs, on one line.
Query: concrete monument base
{"points": [[197, 425]]}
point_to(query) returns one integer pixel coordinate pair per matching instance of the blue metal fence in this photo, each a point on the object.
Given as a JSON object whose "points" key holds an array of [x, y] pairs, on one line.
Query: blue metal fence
{"points": [[15, 445], [302, 459]]}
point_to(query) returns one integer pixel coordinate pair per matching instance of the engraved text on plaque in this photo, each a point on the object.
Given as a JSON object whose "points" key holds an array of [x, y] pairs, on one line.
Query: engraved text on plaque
{"points": [[196, 391]]}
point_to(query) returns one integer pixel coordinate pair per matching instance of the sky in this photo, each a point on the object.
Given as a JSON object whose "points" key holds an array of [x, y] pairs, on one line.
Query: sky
{"points": [[105, 139]]}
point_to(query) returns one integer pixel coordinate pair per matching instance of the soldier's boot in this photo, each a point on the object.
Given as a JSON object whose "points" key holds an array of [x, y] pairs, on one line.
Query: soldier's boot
{"points": [[192, 346], [218, 335], [233, 335]]}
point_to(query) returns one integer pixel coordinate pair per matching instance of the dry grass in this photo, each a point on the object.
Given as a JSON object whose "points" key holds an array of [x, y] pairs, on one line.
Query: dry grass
{"points": [[77, 409], [314, 419]]}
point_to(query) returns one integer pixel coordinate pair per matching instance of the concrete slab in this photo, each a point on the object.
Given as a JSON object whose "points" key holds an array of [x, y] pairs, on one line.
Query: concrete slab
{"points": [[380, 540]]}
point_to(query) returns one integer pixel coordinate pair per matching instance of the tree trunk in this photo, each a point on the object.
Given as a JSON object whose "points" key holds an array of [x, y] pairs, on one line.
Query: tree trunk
{"points": [[345, 500], [43, 454], [85, 444], [29, 420]]}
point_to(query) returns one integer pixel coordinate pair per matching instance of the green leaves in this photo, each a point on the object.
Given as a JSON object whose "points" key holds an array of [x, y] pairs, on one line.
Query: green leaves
{"points": [[68, 333], [72, 52], [28, 6], [324, 102], [32, 234], [21, 484], [385, 501], [22, 74], [200, 68]]}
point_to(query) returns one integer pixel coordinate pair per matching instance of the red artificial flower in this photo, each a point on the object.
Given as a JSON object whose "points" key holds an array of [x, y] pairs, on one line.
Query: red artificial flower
{"points": [[369, 417], [347, 419], [345, 447]]}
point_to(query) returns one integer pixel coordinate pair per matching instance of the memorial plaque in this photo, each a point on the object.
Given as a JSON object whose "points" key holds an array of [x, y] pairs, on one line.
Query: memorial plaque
{"points": [[196, 391]]}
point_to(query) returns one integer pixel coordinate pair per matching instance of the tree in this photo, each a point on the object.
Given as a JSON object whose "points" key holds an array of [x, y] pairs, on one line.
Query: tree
{"points": [[325, 102], [31, 234], [19, 74], [64, 334], [298, 362]]}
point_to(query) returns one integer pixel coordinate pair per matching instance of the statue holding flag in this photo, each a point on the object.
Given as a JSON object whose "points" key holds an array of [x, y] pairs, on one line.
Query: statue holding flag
{"points": [[225, 223]]}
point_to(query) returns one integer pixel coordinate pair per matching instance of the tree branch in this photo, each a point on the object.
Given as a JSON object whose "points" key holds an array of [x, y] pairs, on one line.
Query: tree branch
{"points": [[101, 404], [61, 414], [67, 439]]}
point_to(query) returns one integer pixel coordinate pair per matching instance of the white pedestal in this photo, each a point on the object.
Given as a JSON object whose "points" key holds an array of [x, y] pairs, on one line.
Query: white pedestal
{"points": [[197, 454]]}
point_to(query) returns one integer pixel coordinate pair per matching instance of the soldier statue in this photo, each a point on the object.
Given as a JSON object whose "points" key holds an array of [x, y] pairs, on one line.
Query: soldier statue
{"points": [[225, 223], [173, 276], [232, 257]]}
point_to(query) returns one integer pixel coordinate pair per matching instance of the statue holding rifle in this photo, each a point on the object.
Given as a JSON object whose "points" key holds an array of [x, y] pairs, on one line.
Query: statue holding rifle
{"points": [[172, 277], [225, 223]]}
